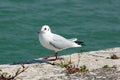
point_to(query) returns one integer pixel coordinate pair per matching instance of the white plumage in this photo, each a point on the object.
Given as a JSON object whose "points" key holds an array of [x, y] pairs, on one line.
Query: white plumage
{"points": [[56, 42]]}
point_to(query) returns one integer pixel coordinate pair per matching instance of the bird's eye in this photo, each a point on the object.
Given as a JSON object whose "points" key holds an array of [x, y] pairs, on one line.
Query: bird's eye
{"points": [[45, 29]]}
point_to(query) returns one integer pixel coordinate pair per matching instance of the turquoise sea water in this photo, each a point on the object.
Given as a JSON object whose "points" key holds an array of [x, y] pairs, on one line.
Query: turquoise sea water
{"points": [[96, 22]]}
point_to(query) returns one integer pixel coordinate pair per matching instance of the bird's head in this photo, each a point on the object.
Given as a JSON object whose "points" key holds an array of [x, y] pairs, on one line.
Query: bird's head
{"points": [[45, 29]]}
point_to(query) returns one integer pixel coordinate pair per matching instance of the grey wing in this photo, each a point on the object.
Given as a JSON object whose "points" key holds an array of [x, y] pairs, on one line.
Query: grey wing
{"points": [[60, 42], [55, 45]]}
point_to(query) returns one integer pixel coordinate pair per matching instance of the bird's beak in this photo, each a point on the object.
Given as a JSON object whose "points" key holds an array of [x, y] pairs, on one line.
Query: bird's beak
{"points": [[41, 31]]}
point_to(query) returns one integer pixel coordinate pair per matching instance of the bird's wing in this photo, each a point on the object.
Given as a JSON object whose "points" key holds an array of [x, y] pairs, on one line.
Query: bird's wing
{"points": [[60, 42]]}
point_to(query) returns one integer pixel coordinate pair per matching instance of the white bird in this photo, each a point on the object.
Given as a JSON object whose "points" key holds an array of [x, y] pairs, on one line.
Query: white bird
{"points": [[56, 42]]}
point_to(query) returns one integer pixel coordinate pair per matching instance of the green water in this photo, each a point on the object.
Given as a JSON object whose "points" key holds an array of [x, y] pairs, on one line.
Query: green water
{"points": [[96, 22]]}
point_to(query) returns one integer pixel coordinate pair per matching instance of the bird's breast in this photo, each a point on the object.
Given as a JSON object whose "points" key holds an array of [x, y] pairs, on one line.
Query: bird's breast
{"points": [[44, 40]]}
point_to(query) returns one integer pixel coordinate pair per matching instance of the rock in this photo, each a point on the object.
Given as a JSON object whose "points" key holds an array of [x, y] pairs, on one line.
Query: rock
{"points": [[39, 69]]}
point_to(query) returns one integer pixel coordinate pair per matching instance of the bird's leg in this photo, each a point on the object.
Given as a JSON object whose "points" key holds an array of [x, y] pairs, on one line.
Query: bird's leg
{"points": [[56, 55]]}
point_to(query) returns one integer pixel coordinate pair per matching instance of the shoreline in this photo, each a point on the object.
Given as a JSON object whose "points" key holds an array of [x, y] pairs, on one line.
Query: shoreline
{"points": [[44, 70]]}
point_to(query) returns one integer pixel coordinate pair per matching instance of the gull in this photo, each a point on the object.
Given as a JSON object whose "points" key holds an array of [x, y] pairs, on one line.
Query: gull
{"points": [[56, 42]]}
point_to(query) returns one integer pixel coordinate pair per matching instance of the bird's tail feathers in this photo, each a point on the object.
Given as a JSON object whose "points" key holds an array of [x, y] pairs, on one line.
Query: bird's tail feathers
{"points": [[73, 39], [79, 43]]}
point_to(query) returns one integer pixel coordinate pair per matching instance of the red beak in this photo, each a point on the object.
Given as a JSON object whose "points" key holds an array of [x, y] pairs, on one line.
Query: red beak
{"points": [[41, 31]]}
